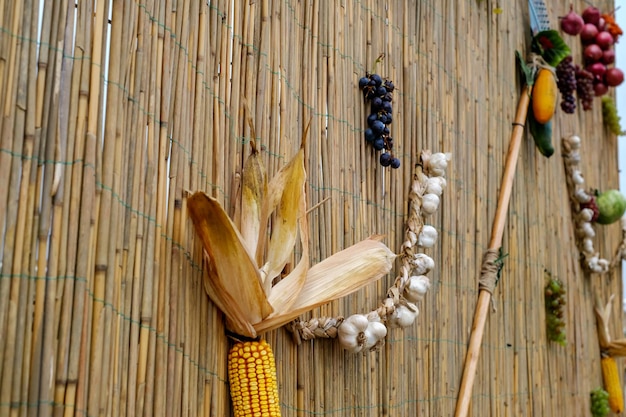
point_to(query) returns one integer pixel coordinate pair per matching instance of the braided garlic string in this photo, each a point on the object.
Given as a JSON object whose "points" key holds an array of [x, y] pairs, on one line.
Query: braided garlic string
{"points": [[582, 216], [365, 332]]}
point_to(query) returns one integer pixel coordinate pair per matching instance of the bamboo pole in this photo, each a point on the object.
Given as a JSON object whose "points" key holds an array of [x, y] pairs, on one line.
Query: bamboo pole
{"points": [[484, 296], [164, 86], [10, 169], [66, 201], [14, 225], [104, 233], [31, 147]]}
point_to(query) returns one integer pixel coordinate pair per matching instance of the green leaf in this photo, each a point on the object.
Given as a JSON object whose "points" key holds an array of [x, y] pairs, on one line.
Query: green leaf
{"points": [[528, 71], [550, 46], [541, 133]]}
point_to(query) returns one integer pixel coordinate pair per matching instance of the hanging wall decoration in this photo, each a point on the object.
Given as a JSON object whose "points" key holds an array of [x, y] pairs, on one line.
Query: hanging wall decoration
{"points": [[591, 208]]}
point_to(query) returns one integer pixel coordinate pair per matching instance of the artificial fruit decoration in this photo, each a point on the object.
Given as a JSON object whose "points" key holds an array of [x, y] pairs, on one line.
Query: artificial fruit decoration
{"points": [[611, 206]]}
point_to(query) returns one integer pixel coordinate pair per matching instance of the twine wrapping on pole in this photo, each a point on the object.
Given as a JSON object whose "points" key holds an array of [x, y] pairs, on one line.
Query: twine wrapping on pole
{"points": [[490, 270]]}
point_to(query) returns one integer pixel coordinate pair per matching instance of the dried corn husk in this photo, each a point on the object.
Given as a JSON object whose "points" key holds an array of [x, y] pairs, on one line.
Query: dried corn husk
{"points": [[227, 259], [241, 269], [603, 314], [286, 196], [284, 293], [253, 191], [335, 277]]}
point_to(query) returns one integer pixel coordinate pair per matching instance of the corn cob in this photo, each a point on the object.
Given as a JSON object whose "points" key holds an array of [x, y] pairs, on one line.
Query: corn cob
{"points": [[252, 375], [612, 384]]}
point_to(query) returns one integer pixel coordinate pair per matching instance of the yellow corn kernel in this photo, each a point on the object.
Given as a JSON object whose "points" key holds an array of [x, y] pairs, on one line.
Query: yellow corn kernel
{"points": [[252, 376], [612, 384]]}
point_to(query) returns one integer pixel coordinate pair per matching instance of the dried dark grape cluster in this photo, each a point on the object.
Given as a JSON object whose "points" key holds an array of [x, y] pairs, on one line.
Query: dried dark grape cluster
{"points": [[584, 87], [571, 78], [379, 93], [566, 81], [554, 295]]}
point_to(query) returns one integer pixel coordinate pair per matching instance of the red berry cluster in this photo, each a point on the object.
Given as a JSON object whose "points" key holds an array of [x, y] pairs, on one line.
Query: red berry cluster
{"points": [[598, 33]]}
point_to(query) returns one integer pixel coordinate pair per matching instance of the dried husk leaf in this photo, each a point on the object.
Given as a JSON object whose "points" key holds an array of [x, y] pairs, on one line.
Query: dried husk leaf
{"points": [[253, 191], [234, 280], [285, 292], [285, 192], [603, 315], [337, 276], [616, 348], [235, 322]]}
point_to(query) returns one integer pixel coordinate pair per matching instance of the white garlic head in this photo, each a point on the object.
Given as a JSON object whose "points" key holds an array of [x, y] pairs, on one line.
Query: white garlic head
{"points": [[427, 237], [416, 287], [582, 196], [422, 263], [574, 142], [597, 264], [435, 185], [437, 163], [588, 245], [585, 229], [351, 333], [577, 177], [404, 315], [586, 214], [374, 335], [430, 203]]}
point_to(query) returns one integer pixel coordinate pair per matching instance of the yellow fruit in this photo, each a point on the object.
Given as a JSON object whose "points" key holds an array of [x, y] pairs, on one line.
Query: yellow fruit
{"points": [[544, 98]]}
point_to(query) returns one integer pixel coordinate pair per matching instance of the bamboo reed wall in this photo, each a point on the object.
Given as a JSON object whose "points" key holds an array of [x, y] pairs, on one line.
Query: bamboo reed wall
{"points": [[113, 110]]}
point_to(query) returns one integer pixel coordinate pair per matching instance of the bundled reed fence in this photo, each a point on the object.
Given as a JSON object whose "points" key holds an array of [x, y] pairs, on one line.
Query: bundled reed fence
{"points": [[113, 111]]}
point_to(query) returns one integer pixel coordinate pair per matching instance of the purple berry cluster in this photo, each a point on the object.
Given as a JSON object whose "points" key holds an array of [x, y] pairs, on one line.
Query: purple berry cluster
{"points": [[379, 93]]}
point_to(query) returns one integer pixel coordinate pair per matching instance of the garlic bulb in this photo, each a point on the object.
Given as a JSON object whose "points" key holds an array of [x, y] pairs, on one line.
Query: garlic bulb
{"points": [[582, 196], [586, 214], [422, 263], [427, 237], [588, 245], [374, 334], [577, 177], [416, 287], [404, 315], [437, 163], [598, 265], [585, 229], [604, 264], [373, 316], [351, 333], [430, 203], [574, 142], [435, 185]]}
